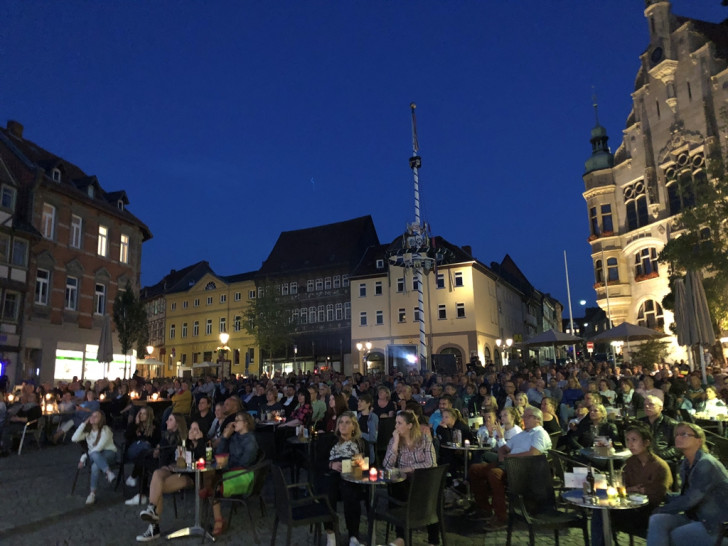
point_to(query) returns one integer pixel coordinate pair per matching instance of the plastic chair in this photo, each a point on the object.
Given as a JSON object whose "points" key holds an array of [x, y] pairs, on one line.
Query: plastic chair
{"points": [[310, 510], [260, 471], [531, 499], [423, 507]]}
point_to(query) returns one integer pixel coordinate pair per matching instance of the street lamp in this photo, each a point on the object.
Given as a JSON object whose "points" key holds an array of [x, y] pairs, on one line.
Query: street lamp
{"points": [[150, 350], [504, 346], [295, 355], [361, 346], [223, 348]]}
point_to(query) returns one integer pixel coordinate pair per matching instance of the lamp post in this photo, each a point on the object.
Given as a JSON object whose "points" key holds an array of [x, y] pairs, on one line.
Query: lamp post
{"points": [[362, 359], [150, 350], [295, 355], [505, 347], [223, 348]]}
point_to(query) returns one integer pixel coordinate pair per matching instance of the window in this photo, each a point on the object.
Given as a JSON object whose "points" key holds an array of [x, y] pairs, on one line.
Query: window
{"points": [[102, 247], [321, 313], [459, 279], [337, 281], [196, 302], [607, 224], [7, 197], [184, 329], [223, 298], [100, 299], [362, 290], [378, 288], [416, 314], [41, 286], [347, 310], [4, 248], [48, 220], [612, 270], [594, 218], [184, 304], [363, 318], [312, 315], [339, 311], [309, 285], [209, 300], [10, 306], [71, 293], [173, 306], [208, 327], [56, 175], [441, 312], [635, 201], [460, 309], [293, 287], [237, 296], [294, 317], [20, 252], [400, 284], [124, 249], [345, 280], [380, 317], [284, 289], [330, 312], [237, 323], [196, 328], [598, 272], [172, 330], [401, 315], [650, 315], [304, 315], [380, 264], [327, 283], [415, 285], [251, 294], [645, 262], [223, 324], [440, 280]]}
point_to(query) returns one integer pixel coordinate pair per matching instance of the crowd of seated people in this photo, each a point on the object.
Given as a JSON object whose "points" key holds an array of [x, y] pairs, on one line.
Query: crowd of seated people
{"points": [[583, 401]]}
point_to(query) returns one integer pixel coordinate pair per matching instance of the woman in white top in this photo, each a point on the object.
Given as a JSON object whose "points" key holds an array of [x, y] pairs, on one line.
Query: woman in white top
{"points": [[101, 449], [509, 425]]}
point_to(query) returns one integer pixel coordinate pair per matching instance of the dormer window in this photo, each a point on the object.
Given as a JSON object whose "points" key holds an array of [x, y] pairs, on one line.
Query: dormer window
{"points": [[90, 191], [120, 204], [56, 175], [380, 264]]}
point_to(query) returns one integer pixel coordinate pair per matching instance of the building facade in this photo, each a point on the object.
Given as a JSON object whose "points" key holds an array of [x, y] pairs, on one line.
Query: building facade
{"points": [[89, 246], [634, 195]]}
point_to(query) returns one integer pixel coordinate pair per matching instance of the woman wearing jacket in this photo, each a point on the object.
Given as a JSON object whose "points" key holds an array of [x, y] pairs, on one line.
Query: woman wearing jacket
{"points": [[368, 422], [101, 449]]}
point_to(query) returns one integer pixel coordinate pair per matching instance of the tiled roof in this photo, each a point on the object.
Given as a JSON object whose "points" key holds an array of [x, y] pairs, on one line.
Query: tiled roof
{"points": [[340, 244], [512, 274], [240, 277], [713, 32], [177, 281]]}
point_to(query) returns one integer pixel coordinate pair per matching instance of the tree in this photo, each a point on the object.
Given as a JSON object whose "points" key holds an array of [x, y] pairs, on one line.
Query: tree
{"points": [[701, 241], [267, 320], [650, 352], [130, 318]]}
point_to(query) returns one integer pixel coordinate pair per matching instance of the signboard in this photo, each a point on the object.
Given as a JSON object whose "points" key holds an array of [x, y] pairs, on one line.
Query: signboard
{"points": [[590, 346]]}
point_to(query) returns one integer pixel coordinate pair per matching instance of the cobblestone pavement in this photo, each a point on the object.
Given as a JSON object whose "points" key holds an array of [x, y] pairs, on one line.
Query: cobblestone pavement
{"points": [[37, 508]]}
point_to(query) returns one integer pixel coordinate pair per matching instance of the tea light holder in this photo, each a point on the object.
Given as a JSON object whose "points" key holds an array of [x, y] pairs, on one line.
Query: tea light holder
{"points": [[200, 463], [373, 474], [466, 443], [155, 396]]}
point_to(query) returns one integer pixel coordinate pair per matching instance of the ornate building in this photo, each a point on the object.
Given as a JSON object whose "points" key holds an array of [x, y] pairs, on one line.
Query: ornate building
{"points": [[634, 195]]}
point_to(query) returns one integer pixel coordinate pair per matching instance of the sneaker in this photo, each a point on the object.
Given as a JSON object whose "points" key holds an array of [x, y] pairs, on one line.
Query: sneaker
{"points": [[131, 481], [136, 500], [150, 514], [151, 533], [91, 498], [353, 541], [330, 538], [110, 476]]}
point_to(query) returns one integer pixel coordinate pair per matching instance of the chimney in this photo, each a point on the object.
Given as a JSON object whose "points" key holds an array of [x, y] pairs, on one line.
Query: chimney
{"points": [[15, 129], [467, 249]]}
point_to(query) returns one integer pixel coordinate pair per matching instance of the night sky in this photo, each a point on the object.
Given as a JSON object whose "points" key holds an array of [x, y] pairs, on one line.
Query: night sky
{"points": [[229, 122]]}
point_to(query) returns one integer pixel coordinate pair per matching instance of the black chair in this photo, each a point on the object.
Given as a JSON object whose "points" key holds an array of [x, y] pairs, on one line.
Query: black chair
{"points": [[310, 510], [531, 499], [718, 446], [87, 468], [34, 428], [260, 471], [723, 534], [320, 451], [423, 507], [685, 415], [384, 434]]}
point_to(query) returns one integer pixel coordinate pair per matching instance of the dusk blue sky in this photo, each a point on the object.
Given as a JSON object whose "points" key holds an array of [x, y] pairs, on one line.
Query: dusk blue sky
{"points": [[229, 122]]}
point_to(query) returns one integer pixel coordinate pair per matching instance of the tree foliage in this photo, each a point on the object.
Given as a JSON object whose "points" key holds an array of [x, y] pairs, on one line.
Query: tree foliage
{"points": [[130, 318], [650, 352], [267, 320], [701, 241]]}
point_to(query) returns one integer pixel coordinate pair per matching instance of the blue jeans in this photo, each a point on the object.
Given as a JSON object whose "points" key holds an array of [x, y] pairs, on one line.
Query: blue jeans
{"points": [[677, 530], [100, 461], [136, 449]]}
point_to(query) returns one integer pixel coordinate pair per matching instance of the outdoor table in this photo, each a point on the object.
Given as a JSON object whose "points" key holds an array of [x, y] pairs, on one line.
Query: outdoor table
{"points": [[708, 422], [307, 444], [390, 476], [466, 449], [576, 496], [196, 529], [616, 456]]}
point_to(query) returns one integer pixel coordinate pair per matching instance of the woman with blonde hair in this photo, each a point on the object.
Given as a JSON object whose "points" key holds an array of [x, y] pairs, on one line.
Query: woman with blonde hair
{"points": [[101, 449], [141, 436]]}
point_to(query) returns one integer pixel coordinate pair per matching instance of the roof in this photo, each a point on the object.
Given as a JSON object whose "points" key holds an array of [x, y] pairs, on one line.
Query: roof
{"points": [[340, 244], [177, 281], [240, 277], [73, 180], [511, 273]]}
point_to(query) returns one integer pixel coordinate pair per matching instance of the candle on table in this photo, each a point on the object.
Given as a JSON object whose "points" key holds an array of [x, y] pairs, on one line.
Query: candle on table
{"points": [[466, 443], [372, 473]]}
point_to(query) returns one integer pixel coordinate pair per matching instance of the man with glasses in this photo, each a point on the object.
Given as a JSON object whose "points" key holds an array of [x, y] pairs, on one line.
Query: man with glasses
{"points": [[533, 440], [696, 515], [663, 431]]}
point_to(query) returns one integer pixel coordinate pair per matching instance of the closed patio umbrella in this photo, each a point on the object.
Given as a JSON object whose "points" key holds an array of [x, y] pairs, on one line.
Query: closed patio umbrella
{"points": [[700, 331], [105, 354]]}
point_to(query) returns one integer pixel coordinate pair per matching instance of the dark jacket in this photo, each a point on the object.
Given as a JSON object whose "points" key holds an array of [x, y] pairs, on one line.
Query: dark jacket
{"points": [[663, 437], [637, 404], [705, 496], [584, 436], [242, 449]]}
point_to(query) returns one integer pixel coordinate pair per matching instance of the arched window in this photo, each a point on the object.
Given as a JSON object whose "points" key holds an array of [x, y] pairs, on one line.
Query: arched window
{"points": [[486, 353], [635, 201], [650, 315], [645, 262]]}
